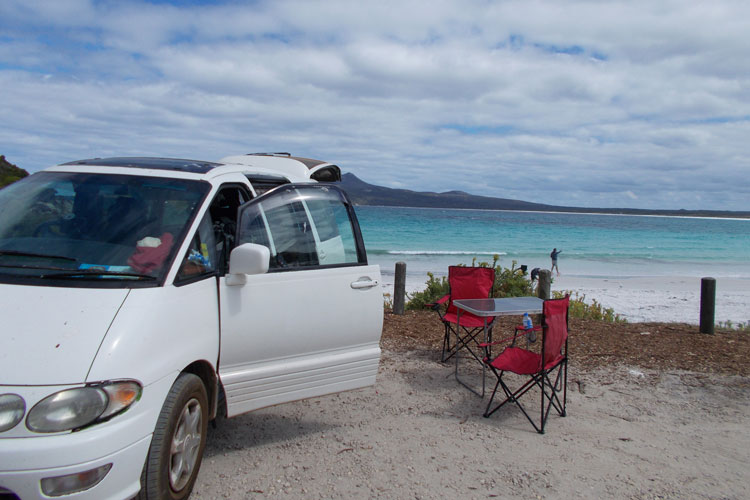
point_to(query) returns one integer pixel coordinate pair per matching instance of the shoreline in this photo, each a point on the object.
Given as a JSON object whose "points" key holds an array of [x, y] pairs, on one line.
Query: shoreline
{"points": [[602, 211], [669, 299]]}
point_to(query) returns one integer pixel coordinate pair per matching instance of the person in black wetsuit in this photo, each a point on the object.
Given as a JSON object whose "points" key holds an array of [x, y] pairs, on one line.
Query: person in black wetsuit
{"points": [[534, 274], [553, 255]]}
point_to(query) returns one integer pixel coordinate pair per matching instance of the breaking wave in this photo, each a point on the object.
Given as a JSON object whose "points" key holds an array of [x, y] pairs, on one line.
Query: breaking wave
{"points": [[434, 252]]}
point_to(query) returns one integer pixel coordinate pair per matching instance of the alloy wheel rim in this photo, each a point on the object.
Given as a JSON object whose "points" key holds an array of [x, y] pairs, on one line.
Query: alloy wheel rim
{"points": [[186, 442]]}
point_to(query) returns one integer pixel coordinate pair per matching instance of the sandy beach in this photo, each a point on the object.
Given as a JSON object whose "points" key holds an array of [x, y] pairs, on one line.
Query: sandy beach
{"points": [[629, 433], [639, 426], [662, 298]]}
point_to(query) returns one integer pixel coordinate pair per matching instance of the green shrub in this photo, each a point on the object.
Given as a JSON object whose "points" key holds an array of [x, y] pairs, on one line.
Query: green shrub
{"points": [[729, 325], [580, 309], [10, 173], [509, 282], [387, 301], [435, 288]]}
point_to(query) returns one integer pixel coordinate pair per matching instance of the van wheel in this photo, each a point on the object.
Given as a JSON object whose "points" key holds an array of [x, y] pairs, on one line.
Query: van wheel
{"points": [[174, 457]]}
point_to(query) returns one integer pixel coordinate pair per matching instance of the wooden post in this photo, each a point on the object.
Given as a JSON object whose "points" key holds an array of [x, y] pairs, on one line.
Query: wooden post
{"points": [[544, 281], [708, 305], [543, 284], [399, 288]]}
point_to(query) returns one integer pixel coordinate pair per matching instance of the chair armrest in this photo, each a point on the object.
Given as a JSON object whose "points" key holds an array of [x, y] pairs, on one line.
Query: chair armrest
{"points": [[515, 335], [529, 333], [521, 328], [443, 299], [436, 305]]}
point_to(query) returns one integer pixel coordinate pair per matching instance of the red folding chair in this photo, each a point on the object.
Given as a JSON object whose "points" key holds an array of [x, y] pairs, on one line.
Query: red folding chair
{"points": [[547, 370], [465, 283]]}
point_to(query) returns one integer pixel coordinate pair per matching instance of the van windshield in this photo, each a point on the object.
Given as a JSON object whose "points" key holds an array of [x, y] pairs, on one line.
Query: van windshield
{"points": [[94, 229]]}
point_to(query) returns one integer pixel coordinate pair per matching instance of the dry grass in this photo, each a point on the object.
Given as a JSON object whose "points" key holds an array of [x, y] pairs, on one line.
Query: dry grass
{"points": [[660, 346]]}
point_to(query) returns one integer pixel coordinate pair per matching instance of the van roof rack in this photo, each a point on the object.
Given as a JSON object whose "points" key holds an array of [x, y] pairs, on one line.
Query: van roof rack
{"points": [[322, 171], [183, 165]]}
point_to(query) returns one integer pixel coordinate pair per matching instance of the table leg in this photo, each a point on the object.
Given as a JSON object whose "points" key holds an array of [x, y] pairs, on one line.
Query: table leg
{"points": [[484, 369]]}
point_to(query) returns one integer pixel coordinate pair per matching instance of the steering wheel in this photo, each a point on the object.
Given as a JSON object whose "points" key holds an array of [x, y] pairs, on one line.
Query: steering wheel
{"points": [[50, 228], [58, 228]]}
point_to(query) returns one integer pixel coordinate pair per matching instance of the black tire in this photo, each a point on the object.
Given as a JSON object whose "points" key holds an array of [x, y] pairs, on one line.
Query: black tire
{"points": [[183, 421]]}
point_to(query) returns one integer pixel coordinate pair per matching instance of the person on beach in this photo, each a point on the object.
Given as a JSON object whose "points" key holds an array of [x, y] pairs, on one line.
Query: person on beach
{"points": [[534, 274], [553, 255]]}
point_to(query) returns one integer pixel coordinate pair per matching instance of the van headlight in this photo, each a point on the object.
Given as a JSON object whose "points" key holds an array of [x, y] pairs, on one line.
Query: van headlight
{"points": [[75, 408], [12, 408]]}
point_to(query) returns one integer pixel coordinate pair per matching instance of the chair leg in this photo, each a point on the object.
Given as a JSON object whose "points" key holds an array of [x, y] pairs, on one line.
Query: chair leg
{"points": [[460, 341], [560, 384], [469, 338], [446, 343], [565, 388], [549, 394], [540, 430], [448, 350], [487, 411], [542, 419], [512, 397]]}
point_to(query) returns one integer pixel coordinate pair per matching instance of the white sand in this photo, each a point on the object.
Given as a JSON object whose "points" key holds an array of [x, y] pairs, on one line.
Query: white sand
{"points": [[664, 298], [637, 299], [418, 434]]}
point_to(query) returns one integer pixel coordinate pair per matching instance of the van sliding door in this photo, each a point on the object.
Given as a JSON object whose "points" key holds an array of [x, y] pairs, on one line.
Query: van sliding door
{"points": [[312, 324]]}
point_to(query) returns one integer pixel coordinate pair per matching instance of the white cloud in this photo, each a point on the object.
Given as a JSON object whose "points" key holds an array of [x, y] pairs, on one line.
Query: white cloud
{"points": [[571, 103]]}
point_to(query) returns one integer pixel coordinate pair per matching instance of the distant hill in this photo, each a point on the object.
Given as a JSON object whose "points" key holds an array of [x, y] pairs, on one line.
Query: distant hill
{"points": [[10, 173], [362, 193]]}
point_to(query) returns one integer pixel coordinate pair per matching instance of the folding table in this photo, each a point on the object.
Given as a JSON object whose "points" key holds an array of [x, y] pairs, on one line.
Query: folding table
{"points": [[489, 308]]}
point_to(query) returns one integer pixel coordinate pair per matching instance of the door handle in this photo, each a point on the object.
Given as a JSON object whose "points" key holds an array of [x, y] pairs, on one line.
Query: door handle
{"points": [[363, 283]]}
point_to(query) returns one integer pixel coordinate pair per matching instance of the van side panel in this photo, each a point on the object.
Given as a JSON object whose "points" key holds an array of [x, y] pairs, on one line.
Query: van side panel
{"points": [[299, 334]]}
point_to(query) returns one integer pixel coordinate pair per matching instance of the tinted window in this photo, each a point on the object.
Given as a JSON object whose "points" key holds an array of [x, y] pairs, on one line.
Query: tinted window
{"points": [[201, 258], [94, 226], [209, 250], [303, 227]]}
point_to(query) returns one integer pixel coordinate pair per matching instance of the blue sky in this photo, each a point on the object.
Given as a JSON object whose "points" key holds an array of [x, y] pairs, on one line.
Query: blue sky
{"points": [[582, 103]]}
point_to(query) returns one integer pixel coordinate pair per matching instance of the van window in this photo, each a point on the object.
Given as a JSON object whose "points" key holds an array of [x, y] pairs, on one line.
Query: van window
{"points": [[94, 229], [201, 258], [209, 250], [263, 183], [303, 227], [223, 212], [335, 243]]}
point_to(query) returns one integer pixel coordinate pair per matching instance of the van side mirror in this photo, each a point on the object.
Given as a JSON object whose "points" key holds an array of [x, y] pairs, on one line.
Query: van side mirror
{"points": [[248, 258]]}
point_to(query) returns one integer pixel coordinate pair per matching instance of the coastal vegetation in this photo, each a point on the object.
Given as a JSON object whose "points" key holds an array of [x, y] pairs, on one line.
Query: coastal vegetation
{"points": [[10, 173], [511, 282], [581, 309], [741, 326]]}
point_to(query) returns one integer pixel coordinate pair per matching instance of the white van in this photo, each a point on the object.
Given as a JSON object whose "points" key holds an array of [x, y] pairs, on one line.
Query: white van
{"points": [[142, 297]]}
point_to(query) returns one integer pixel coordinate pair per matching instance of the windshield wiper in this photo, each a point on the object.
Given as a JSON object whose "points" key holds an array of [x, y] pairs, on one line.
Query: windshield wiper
{"points": [[17, 253], [89, 273], [24, 266]]}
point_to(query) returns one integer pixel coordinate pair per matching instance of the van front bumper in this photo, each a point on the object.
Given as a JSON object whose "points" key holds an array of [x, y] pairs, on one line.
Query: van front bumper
{"points": [[27, 458], [121, 482]]}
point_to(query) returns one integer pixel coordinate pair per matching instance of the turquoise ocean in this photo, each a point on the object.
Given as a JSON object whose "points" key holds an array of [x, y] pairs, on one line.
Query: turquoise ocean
{"points": [[593, 245]]}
